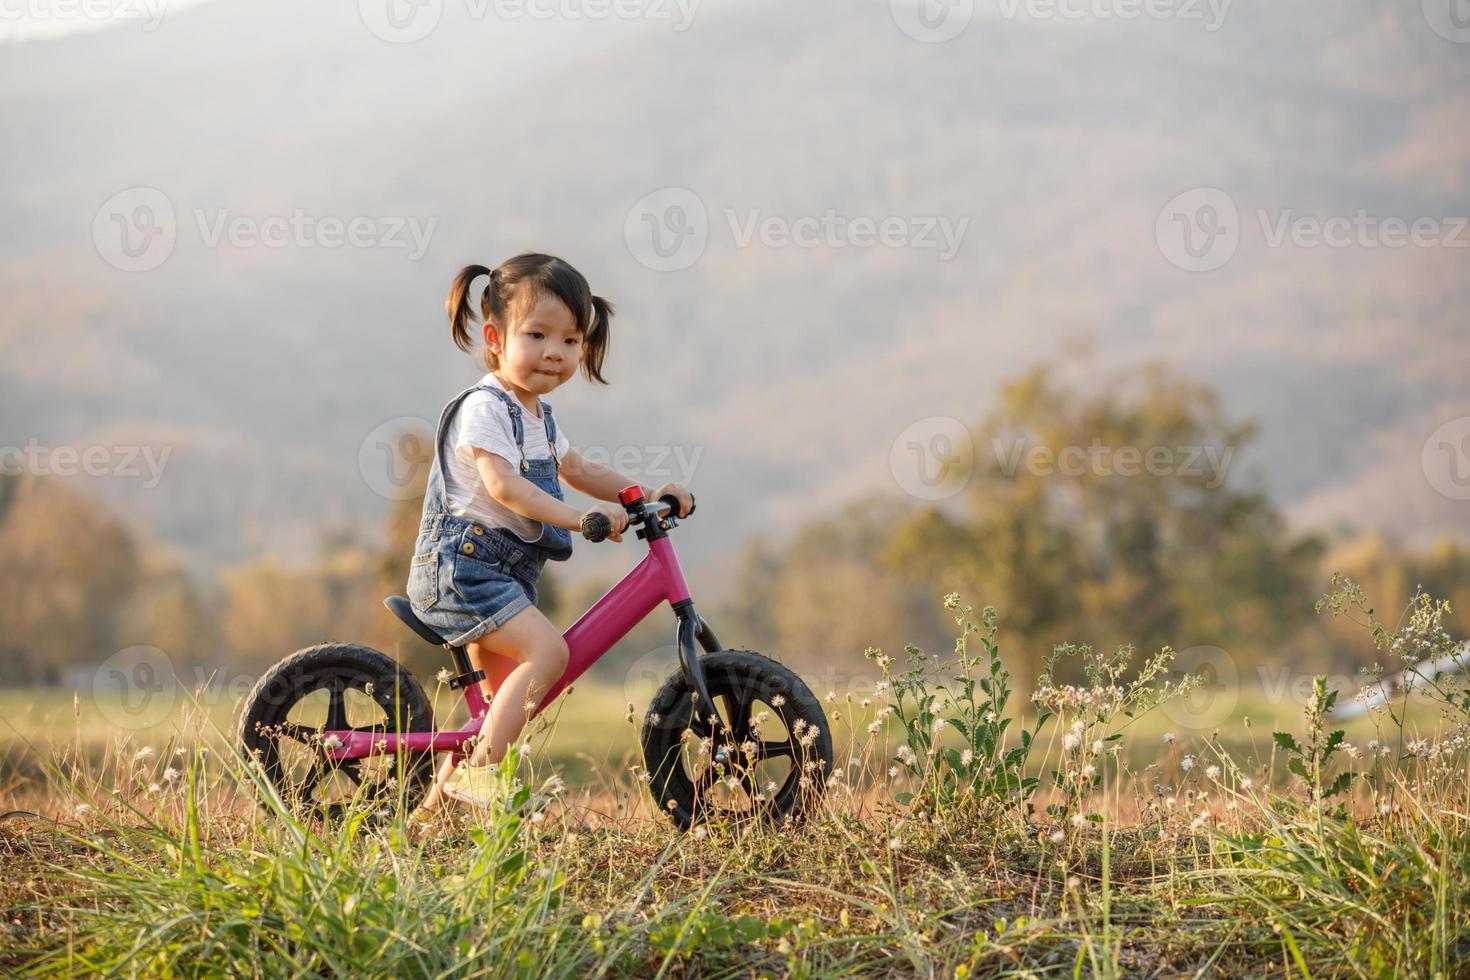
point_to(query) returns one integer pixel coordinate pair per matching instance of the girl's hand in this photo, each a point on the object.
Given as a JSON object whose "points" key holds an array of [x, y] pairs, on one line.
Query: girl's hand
{"points": [[686, 499], [617, 517]]}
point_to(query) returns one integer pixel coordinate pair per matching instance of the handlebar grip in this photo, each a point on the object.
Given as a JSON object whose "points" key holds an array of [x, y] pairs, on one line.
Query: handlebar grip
{"points": [[673, 503], [596, 527]]}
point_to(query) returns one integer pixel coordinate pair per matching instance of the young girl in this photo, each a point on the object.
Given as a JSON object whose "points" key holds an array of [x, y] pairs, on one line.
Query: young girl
{"points": [[493, 510]]}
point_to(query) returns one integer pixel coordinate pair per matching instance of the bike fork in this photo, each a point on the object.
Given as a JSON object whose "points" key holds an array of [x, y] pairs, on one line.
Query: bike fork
{"points": [[694, 632]]}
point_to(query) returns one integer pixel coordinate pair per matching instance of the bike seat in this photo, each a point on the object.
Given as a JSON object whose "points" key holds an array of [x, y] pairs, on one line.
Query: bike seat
{"points": [[398, 606]]}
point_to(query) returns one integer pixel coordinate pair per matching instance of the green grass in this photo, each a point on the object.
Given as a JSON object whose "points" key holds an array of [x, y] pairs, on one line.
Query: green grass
{"points": [[1133, 864]]}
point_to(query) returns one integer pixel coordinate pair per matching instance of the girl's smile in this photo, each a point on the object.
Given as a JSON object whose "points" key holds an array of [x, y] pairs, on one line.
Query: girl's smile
{"points": [[541, 353]]}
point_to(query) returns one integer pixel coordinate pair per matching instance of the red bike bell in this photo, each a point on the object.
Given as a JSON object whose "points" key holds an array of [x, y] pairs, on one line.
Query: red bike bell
{"points": [[628, 496]]}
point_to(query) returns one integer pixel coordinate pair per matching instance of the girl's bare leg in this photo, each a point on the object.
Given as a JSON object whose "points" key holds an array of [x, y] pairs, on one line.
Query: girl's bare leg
{"points": [[521, 660]]}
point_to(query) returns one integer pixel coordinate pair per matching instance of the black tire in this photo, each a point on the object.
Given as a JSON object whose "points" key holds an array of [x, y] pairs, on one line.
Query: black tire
{"points": [[690, 789], [387, 698]]}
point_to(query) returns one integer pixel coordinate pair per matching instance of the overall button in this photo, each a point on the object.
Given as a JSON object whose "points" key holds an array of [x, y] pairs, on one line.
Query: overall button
{"points": [[469, 549], [477, 529]]}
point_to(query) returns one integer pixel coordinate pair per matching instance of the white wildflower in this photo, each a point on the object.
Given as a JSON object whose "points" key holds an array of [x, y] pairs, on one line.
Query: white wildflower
{"points": [[1186, 763]]}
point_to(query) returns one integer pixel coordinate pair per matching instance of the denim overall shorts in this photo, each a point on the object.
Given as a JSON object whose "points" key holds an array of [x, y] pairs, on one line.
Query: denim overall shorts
{"points": [[467, 579]]}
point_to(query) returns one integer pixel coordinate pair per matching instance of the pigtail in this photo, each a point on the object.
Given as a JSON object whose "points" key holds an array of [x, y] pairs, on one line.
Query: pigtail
{"points": [[595, 341], [458, 308]]}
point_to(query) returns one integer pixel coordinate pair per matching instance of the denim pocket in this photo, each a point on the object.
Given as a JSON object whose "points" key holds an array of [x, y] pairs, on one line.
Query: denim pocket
{"points": [[423, 581]]}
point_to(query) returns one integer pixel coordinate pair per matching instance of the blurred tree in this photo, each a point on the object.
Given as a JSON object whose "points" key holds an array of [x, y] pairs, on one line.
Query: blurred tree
{"points": [[68, 574]]}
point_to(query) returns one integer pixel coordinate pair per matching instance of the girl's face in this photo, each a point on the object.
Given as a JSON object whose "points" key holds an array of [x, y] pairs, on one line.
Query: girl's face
{"points": [[542, 351]]}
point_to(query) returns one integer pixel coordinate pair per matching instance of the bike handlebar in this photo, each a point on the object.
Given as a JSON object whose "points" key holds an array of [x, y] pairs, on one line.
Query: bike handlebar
{"points": [[596, 527]]}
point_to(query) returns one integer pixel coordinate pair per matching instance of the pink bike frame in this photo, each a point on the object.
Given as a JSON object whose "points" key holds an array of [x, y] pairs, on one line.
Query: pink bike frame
{"points": [[655, 579]]}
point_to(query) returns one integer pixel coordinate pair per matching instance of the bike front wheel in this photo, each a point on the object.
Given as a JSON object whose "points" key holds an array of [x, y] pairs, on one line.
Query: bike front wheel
{"points": [[774, 764]]}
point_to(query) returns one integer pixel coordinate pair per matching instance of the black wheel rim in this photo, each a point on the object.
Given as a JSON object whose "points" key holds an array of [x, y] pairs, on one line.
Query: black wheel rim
{"points": [[756, 771]]}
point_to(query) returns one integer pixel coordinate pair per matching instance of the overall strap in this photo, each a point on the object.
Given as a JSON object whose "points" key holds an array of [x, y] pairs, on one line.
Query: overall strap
{"points": [[515, 421]]}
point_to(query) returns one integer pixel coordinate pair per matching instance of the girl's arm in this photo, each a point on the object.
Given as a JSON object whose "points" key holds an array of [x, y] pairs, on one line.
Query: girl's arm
{"points": [[506, 485], [603, 483], [595, 480]]}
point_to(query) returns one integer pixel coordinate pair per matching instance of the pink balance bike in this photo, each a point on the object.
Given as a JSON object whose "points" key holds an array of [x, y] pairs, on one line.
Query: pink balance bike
{"points": [[730, 734]]}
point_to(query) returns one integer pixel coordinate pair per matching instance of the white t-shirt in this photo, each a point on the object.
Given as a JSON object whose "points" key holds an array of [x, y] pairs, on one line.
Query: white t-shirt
{"points": [[483, 420]]}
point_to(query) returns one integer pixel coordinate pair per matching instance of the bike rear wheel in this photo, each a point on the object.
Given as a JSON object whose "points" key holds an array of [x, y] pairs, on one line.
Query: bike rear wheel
{"points": [[334, 687], [772, 768]]}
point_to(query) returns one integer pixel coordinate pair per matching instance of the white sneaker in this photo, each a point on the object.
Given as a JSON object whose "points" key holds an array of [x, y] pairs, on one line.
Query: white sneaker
{"points": [[485, 787]]}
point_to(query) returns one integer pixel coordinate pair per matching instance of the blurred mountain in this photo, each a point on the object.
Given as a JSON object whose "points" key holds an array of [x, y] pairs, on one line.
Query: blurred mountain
{"points": [[786, 373]]}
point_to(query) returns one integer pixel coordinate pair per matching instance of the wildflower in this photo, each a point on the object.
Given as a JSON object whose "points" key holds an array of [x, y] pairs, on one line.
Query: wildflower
{"points": [[894, 844], [82, 809], [443, 676], [1088, 771], [966, 757], [654, 717], [893, 772], [154, 788], [831, 697], [867, 701], [1097, 747], [990, 717], [906, 755], [1070, 742], [1246, 782], [1186, 763], [180, 750], [332, 742], [143, 754], [771, 786], [939, 725], [874, 727], [1168, 737], [880, 691], [778, 700], [1078, 820], [1212, 772], [537, 817], [1057, 836], [170, 774]]}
